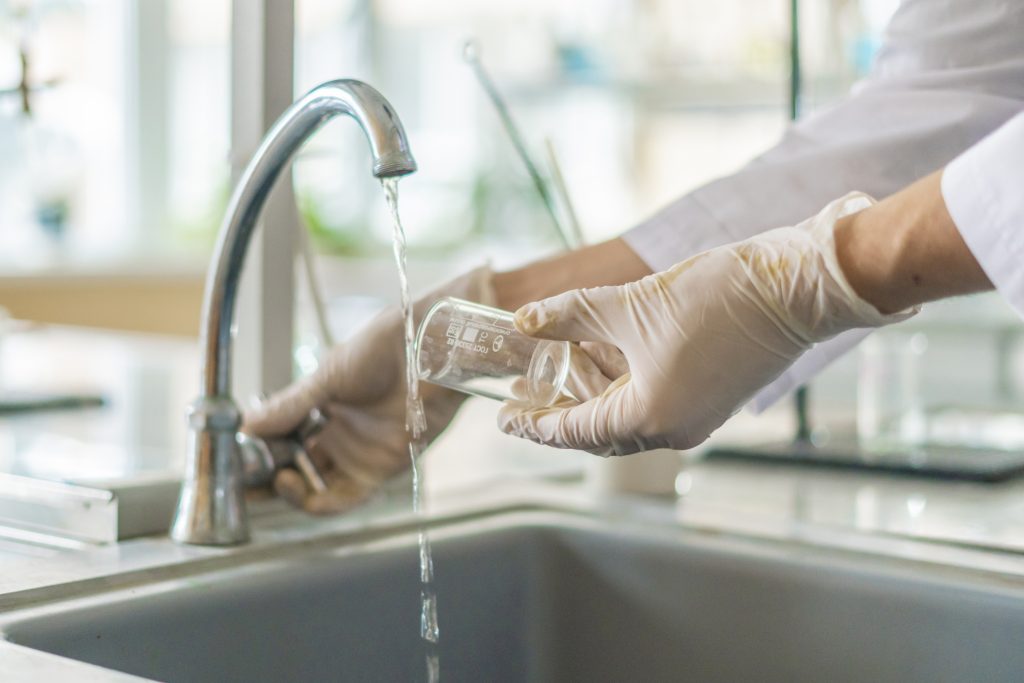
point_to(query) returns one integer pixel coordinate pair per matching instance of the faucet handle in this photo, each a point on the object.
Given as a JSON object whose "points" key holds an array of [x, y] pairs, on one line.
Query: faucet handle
{"points": [[312, 425], [261, 458], [305, 465]]}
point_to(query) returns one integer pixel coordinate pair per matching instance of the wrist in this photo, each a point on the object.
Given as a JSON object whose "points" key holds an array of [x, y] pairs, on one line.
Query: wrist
{"points": [[869, 258], [907, 250]]}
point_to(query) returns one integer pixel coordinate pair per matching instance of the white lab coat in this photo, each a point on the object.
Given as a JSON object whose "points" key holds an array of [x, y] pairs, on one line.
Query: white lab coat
{"points": [[948, 73], [983, 189]]}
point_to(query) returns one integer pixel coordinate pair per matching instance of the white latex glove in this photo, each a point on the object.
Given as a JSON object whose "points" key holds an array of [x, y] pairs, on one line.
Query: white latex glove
{"points": [[360, 389], [700, 339]]}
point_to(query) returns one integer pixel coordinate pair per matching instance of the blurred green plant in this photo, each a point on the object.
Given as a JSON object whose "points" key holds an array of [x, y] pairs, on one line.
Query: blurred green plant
{"points": [[199, 228], [499, 206], [333, 237]]}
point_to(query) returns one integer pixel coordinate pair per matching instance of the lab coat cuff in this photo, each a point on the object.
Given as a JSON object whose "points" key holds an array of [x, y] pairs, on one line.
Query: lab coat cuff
{"points": [[982, 191]]}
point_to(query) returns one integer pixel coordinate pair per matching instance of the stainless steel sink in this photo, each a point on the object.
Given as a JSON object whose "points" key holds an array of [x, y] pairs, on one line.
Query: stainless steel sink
{"points": [[544, 596]]}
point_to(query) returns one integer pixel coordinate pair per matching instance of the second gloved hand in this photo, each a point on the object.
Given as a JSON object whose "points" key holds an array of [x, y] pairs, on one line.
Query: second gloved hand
{"points": [[360, 389], [700, 339]]}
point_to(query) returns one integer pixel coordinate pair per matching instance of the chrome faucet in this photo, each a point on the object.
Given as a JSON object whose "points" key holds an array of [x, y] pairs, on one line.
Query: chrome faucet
{"points": [[211, 507]]}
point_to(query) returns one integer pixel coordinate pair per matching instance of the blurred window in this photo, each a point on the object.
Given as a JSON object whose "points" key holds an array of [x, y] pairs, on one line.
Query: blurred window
{"points": [[125, 149], [122, 147]]}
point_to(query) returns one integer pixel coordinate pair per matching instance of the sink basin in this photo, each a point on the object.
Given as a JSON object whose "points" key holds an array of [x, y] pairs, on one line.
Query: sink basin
{"points": [[545, 596]]}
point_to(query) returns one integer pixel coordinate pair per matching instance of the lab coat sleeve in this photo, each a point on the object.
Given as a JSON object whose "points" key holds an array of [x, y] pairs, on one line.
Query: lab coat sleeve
{"points": [[876, 142], [984, 193], [948, 74]]}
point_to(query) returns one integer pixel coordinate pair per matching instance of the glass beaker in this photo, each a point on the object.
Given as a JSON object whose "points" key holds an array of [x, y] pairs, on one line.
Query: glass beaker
{"points": [[477, 350], [890, 413]]}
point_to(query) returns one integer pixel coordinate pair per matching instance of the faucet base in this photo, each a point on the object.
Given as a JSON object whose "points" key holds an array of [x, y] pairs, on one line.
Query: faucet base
{"points": [[211, 507], [198, 524]]}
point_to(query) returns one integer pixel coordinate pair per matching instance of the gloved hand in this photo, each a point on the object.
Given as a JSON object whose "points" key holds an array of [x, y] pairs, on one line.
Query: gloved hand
{"points": [[700, 339], [360, 389]]}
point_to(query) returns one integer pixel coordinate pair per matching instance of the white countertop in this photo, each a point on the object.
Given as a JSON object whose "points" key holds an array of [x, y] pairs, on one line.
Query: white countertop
{"points": [[962, 524]]}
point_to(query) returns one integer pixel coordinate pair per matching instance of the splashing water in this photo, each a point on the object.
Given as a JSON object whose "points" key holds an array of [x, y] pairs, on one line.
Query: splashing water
{"points": [[415, 425]]}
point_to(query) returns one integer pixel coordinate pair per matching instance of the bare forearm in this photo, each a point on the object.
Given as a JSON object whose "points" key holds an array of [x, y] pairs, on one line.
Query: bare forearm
{"points": [[607, 263], [906, 250]]}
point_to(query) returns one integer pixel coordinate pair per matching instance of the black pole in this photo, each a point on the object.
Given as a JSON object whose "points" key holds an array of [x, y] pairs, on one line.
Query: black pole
{"points": [[795, 77], [801, 397]]}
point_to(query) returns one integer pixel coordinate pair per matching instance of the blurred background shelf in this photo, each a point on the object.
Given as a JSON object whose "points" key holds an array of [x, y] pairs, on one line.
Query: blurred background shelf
{"points": [[128, 295]]}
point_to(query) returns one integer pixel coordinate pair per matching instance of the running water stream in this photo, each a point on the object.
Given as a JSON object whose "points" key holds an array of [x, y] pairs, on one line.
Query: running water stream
{"points": [[415, 425]]}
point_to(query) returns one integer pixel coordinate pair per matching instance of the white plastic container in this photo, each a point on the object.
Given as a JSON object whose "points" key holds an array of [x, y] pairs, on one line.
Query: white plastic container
{"points": [[650, 473]]}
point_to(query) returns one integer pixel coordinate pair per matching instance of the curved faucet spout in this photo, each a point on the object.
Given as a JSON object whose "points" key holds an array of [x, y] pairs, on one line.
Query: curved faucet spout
{"points": [[211, 508], [391, 157]]}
